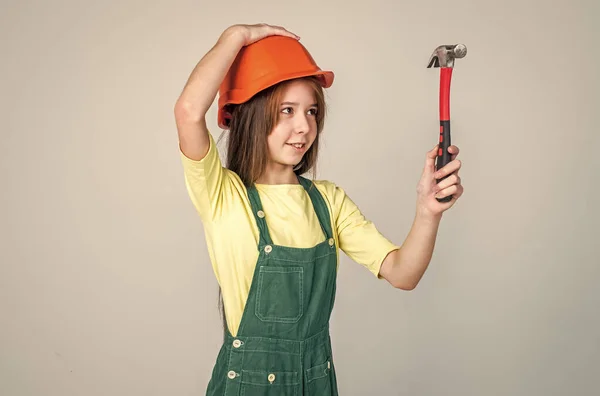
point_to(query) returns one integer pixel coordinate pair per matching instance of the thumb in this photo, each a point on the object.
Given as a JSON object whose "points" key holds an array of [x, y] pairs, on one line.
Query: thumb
{"points": [[430, 160]]}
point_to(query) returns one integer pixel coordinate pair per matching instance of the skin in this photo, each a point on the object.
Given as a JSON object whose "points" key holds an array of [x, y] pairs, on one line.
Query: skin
{"points": [[203, 83], [402, 268], [297, 124], [405, 267]]}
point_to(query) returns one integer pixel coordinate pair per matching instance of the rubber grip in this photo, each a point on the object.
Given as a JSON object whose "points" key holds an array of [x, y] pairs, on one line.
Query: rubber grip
{"points": [[444, 156]]}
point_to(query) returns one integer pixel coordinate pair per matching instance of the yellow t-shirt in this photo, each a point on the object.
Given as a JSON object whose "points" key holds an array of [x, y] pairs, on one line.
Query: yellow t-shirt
{"points": [[232, 235]]}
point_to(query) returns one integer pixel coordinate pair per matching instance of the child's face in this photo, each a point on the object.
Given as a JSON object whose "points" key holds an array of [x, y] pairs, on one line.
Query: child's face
{"points": [[297, 127]]}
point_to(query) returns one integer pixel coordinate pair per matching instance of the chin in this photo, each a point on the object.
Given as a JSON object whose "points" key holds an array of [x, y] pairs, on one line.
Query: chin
{"points": [[291, 162]]}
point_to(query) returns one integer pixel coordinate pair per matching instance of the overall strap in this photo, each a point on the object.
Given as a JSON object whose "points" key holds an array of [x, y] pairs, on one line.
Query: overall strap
{"points": [[259, 215], [319, 205]]}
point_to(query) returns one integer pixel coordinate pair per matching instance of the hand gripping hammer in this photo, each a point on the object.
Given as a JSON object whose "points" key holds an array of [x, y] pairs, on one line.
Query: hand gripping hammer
{"points": [[443, 57]]}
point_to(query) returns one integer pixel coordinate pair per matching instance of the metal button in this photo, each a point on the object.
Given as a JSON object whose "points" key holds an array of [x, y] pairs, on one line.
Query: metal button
{"points": [[237, 343], [331, 241], [271, 377], [328, 365], [268, 248], [260, 214], [231, 374]]}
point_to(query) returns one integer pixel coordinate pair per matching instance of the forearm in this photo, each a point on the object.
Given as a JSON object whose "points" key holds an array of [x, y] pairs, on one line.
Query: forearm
{"points": [[203, 83], [412, 260], [200, 92]]}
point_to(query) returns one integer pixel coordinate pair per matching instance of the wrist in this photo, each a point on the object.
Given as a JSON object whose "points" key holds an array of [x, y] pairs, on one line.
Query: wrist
{"points": [[427, 216], [234, 34]]}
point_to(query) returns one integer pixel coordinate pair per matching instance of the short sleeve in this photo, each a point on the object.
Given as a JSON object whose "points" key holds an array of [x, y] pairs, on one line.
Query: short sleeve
{"points": [[204, 181], [358, 237]]}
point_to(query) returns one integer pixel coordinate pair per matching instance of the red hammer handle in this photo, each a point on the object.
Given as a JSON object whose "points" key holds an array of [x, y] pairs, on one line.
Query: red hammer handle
{"points": [[445, 141]]}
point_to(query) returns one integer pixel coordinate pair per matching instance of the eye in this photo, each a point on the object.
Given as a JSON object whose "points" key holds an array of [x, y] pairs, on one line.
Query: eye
{"points": [[287, 110], [313, 111]]}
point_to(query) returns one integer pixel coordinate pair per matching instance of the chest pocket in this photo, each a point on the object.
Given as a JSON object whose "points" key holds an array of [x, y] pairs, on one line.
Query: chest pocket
{"points": [[279, 296]]}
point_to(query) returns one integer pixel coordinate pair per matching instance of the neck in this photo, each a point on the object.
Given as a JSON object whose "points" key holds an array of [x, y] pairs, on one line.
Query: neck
{"points": [[277, 174]]}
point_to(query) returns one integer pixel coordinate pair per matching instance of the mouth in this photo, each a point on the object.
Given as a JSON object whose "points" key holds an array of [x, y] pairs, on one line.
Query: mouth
{"points": [[297, 146]]}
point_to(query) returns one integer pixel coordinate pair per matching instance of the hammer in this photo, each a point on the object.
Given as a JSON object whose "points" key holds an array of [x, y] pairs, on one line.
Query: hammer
{"points": [[443, 57]]}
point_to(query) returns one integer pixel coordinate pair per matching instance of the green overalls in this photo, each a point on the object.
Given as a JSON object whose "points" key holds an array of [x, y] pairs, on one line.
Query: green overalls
{"points": [[283, 347]]}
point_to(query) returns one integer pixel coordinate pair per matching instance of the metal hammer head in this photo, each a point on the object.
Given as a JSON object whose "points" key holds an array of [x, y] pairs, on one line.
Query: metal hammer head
{"points": [[444, 55]]}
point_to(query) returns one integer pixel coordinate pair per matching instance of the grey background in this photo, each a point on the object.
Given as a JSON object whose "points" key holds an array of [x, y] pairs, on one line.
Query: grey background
{"points": [[105, 283]]}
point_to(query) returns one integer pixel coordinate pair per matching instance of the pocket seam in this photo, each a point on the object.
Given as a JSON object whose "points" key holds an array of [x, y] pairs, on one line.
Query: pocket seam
{"points": [[313, 377], [292, 388]]}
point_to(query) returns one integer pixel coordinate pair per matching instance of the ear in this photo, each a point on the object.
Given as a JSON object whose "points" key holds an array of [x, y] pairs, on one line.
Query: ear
{"points": [[227, 117], [224, 118]]}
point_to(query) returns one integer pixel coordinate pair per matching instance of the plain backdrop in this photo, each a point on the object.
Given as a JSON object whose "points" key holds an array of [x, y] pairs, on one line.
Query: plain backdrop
{"points": [[105, 283]]}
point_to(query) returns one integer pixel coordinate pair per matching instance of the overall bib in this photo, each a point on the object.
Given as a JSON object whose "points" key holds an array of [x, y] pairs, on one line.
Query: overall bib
{"points": [[283, 347]]}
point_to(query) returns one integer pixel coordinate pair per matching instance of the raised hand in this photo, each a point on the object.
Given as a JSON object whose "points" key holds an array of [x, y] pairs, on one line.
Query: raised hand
{"points": [[429, 189], [253, 33]]}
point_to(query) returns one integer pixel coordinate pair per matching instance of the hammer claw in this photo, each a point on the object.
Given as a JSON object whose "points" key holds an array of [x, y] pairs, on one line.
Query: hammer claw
{"points": [[434, 61]]}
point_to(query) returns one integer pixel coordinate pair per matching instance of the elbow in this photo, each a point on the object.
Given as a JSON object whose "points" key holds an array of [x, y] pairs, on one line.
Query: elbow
{"points": [[404, 284], [396, 276], [186, 112]]}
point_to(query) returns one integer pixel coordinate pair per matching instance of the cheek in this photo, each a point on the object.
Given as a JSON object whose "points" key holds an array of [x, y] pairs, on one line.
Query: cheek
{"points": [[313, 134], [275, 142], [278, 136]]}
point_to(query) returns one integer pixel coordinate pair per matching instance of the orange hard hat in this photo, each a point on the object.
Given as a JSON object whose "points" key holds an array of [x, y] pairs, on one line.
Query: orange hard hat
{"points": [[263, 64]]}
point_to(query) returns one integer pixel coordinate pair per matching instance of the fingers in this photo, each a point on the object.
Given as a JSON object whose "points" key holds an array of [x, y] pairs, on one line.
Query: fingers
{"points": [[450, 183], [285, 31], [459, 191], [256, 32], [280, 30], [431, 154], [453, 150], [456, 190], [451, 180], [451, 167], [430, 159], [447, 191], [272, 30]]}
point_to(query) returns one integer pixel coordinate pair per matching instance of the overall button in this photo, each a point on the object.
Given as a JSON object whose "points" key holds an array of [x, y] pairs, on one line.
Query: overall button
{"points": [[261, 214], [331, 241], [268, 248], [237, 343], [271, 378], [231, 374]]}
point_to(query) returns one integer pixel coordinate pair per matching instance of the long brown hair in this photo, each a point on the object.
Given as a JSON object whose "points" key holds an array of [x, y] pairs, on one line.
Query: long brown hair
{"points": [[253, 121], [251, 124]]}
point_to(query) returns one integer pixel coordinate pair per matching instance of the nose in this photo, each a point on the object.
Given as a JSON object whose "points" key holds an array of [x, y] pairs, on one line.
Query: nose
{"points": [[301, 123]]}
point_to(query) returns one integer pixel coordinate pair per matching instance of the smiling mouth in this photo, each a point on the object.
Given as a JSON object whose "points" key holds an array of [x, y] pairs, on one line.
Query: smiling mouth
{"points": [[297, 145]]}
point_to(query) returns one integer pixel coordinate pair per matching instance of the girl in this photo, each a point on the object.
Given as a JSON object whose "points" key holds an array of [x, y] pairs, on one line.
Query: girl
{"points": [[274, 236]]}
